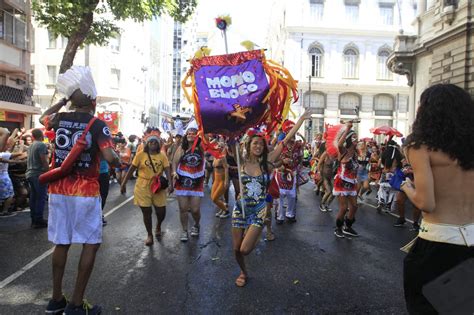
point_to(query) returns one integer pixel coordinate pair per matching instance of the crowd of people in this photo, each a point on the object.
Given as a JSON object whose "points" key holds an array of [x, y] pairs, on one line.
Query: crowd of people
{"points": [[363, 166], [272, 168]]}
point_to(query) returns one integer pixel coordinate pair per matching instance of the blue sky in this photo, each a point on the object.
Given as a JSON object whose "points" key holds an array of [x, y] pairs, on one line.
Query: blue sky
{"points": [[249, 21]]}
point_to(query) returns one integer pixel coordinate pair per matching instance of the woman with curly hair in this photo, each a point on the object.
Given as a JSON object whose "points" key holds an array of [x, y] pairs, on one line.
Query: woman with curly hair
{"points": [[441, 152], [247, 223]]}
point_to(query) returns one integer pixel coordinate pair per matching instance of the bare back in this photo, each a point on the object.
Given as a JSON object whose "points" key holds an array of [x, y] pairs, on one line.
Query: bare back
{"points": [[453, 190]]}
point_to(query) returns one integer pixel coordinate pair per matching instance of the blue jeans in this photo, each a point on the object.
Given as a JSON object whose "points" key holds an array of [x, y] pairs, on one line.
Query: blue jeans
{"points": [[37, 198]]}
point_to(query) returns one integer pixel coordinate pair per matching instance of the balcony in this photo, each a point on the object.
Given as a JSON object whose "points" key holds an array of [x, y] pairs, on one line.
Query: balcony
{"points": [[13, 95], [401, 61]]}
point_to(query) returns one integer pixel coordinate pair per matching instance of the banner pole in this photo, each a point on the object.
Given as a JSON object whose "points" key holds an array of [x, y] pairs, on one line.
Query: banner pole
{"points": [[239, 169], [237, 148]]}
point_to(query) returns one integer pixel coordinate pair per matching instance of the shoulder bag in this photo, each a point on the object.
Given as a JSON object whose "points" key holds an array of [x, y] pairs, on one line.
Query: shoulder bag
{"points": [[159, 182]]}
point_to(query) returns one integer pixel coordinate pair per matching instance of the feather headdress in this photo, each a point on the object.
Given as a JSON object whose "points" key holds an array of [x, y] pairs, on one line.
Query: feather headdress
{"points": [[192, 125], [77, 77], [153, 135]]}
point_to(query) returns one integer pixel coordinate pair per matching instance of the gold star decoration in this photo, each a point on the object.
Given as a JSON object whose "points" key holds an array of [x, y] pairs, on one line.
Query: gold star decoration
{"points": [[239, 113]]}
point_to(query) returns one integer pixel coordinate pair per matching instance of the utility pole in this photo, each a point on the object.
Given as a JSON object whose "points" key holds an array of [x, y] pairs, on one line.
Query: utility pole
{"points": [[310, 123]]}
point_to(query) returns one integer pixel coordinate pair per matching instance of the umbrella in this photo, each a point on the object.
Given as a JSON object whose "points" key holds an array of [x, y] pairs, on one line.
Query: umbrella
{"points": [[386, 130]]}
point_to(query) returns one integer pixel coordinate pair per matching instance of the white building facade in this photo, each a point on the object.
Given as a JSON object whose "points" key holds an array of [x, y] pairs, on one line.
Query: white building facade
{"points": [[126, 73], [337, 50]]}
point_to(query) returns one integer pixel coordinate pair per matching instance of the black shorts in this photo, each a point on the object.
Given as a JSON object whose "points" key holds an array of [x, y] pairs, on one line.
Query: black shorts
{"points": [[426, 261]]}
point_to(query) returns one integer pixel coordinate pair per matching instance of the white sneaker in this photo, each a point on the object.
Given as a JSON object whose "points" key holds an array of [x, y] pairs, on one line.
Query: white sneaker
{"points": [[184, 236], [224, 214], [195, 231]]}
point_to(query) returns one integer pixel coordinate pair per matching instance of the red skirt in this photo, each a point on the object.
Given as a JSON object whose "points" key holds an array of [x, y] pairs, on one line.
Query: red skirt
{"points": [[344, 188]]}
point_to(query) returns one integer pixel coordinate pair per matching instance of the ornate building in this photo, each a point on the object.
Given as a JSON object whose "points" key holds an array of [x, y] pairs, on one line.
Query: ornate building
{"points": [[441, 51], [337, 50]]}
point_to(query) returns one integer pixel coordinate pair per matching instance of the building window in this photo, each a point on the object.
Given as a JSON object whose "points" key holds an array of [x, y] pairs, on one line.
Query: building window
{"points": [[383, 73], [383, 105], [52, 40], [52, 75], [317, 126], [317, 102], [351, 64], [316, 9], [115, 78], [20, 34], [451, 2], [352, 13], [64, 41], [386, 14], [316, 58], [13, 28], [348, 102], [115, 43]]}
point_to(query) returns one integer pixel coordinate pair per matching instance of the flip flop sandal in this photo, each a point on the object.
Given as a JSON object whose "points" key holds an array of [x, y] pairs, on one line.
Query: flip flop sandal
{"points": [[270, 237], [241, 281]]}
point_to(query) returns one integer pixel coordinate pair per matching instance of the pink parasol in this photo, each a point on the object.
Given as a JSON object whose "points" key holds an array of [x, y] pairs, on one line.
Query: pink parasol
{"points": [[386, 130]]}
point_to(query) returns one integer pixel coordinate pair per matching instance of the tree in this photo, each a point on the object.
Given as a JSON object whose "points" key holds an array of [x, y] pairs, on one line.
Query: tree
{"points": [[85, 22]]}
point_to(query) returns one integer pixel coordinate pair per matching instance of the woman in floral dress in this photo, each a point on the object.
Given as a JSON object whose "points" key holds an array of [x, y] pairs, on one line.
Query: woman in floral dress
{"points": [[247, 223]]}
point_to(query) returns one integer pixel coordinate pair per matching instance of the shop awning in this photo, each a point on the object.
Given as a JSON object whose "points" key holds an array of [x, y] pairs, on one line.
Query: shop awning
{"points": [[19, 108]]}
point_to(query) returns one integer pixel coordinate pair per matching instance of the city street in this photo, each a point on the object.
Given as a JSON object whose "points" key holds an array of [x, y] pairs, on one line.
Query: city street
{"points": [[305, 270]]}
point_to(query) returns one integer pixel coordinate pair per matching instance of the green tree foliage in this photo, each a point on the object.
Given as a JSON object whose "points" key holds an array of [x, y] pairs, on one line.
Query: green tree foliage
{"points": [[86, 22]]}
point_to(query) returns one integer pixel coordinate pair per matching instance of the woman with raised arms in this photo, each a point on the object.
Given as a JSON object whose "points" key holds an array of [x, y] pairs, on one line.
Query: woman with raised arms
{"points": [[247, 225]]}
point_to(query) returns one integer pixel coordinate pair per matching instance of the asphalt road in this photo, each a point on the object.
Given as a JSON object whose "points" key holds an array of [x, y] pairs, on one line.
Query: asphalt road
{"points": [[305, 270]]}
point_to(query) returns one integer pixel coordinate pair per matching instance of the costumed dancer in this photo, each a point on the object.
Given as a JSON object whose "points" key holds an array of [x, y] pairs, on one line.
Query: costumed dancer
{"points": [[363, 158], [189, 172], [286, 180], [391, 158], [256, 169], [327, 168], [150, 163], [286, 176], [220, 182], [345, 182], [125, 154], [75, 214]]}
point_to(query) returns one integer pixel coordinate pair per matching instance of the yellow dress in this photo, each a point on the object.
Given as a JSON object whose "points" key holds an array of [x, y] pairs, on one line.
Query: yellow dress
{"points": [[143, 197]]}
